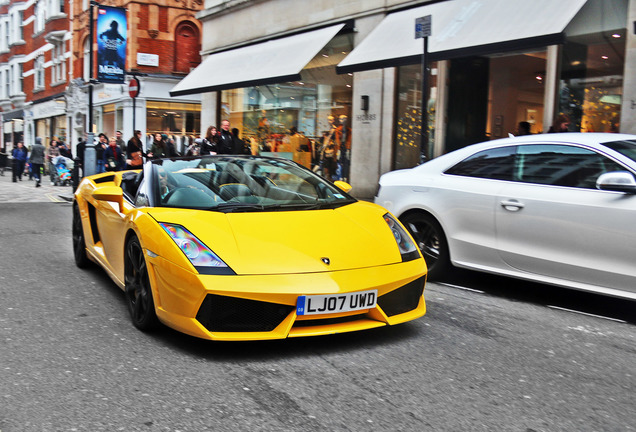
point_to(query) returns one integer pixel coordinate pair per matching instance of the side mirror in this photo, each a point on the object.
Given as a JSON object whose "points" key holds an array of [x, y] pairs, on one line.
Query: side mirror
{"points": [[617, 181], [343, 186], [110, 193]]}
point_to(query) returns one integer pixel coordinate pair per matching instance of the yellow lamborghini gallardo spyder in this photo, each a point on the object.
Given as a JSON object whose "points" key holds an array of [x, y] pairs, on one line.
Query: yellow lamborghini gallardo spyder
{"points": [[245, 248]]}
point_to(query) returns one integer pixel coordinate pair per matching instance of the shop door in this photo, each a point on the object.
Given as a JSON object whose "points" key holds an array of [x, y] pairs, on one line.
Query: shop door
{"points": [[467, 102]]}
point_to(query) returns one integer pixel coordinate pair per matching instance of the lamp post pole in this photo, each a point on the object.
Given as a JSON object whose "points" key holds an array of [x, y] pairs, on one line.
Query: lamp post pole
{"points": [[90, 162], [423, 27]]}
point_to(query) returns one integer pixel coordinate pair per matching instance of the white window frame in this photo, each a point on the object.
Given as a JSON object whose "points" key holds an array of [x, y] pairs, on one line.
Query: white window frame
{"points": [[38, 75]]}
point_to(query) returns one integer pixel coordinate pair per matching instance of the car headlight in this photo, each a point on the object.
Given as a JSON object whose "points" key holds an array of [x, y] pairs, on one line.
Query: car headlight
{"points": [[407, 247], [201, 257]]}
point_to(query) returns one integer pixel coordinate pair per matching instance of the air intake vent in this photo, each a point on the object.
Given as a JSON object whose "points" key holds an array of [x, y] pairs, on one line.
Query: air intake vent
{"points": [[403, 299], [231, 314]]}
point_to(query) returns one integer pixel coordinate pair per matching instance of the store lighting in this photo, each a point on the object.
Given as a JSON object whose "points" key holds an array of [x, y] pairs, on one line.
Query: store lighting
{"points": [[349, 85], [604, 57], [616, 36]]}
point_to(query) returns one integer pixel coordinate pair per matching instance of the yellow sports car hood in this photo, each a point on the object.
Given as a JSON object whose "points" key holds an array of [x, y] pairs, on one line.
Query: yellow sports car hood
{"points": [[349, 237]]}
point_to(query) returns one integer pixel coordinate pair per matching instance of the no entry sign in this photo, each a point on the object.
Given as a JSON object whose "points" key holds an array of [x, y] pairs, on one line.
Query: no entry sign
{"points": [[133, 88]]}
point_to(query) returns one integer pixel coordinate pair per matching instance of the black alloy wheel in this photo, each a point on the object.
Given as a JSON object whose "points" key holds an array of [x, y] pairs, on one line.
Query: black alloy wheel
{"points": [[79, 244], [137, 287], [431, 241]]}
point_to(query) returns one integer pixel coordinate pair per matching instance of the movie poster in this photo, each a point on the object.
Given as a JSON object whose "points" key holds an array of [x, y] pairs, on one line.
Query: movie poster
{"points": [[111, 44]]}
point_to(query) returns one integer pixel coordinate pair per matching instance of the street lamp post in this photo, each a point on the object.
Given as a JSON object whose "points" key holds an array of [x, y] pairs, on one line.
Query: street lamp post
{"points": [[90, 162]]}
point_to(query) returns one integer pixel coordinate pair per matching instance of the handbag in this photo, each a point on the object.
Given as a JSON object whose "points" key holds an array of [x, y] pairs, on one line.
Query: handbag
{"points": [[136, 159]]}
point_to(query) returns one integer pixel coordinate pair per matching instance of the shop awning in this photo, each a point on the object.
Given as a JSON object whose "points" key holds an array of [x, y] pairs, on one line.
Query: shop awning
{"points": [[463, 28], [270, 62]]}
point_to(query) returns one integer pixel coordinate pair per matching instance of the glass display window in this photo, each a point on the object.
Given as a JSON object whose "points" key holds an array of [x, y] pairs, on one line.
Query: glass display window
{"points": [[173, 117], [408, 151], [591, 85], [306, 120]]}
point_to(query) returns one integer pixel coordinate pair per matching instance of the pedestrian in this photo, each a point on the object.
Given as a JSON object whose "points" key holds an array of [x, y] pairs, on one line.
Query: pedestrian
{"points": [[79, 150], [64, 150], [51, 153], [523, 128], [37, 161], [135, 152], [120, 142], [561, 124], [158, 149], [113, 157], [100, 148], [19, 160], [242, 146], [194, 149], [208, 145], [227, 144]]}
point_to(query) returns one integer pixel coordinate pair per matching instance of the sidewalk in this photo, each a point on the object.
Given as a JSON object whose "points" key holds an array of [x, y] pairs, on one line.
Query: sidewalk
{"points": [[25, 190]]}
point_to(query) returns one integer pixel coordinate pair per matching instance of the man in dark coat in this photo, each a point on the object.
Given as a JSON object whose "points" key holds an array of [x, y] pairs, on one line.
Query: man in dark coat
{"points": [[227, 142], [37, 161]]}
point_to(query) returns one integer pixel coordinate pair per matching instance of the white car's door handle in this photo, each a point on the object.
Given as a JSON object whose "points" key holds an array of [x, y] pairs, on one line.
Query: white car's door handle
{"points": [[512, 205]]}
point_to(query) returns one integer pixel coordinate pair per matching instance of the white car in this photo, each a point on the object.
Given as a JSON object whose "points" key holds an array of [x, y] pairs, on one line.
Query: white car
{"points": [[553, 208]]}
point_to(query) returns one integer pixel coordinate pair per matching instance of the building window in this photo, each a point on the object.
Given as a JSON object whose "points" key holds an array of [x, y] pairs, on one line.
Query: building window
{"points": [[39, 73], [86, 61], [40, 17], [59, 64], [187, 48]]}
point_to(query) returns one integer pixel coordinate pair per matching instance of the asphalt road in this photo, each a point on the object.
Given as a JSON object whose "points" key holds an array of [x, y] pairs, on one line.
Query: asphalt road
{"points": [[70, 360]]}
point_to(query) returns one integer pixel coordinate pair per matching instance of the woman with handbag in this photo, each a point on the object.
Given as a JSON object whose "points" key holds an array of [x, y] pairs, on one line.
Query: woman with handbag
{"points": [[135, 152]]}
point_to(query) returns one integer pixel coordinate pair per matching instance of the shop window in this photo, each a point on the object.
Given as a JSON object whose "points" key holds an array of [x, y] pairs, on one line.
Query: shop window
{"points": [[591, 83], [182, 121], [308, 121], [515, 93], [187, 48], [408, 151]]}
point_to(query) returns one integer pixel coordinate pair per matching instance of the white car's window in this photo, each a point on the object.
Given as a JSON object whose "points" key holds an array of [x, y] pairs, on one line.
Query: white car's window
{"points": [[561, 165], [549, 164], [494, 164]]}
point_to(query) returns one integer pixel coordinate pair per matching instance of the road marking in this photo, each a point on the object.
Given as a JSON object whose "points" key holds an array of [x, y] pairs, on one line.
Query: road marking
{"points": [[460, 287], [588, 314], [54, 197]]}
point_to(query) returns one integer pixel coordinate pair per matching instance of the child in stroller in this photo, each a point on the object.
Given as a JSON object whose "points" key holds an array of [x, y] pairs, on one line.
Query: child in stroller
{"points": [[61, 173]]}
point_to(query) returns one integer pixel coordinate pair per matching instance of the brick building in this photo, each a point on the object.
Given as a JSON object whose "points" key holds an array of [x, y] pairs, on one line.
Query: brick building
{"points": [[44, 70]]}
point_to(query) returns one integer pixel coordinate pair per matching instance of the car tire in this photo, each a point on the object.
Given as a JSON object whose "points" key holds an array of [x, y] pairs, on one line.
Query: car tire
{"points": [[137, 287], [79, 243], [430, 239]]}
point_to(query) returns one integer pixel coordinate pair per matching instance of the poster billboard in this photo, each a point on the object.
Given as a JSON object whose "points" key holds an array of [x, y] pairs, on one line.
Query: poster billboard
{"points": [[111, 44]]}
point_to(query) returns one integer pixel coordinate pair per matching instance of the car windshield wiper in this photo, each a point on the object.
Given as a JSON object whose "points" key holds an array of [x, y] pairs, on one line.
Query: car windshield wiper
{"points": [[308, 206], [237, 207]]}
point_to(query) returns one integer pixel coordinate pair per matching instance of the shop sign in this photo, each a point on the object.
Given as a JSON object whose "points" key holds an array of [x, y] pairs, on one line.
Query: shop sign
{"points": [[144, 59], [49, 109]]}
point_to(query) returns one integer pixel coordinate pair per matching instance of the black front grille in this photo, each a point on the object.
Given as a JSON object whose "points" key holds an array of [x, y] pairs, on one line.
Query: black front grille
{"points": [[403, 299], [328, 321], [230, 314]]}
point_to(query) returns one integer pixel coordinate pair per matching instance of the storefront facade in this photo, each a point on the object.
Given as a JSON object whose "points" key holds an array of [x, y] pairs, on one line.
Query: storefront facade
{"points": [[545, 59], [114, 110]]}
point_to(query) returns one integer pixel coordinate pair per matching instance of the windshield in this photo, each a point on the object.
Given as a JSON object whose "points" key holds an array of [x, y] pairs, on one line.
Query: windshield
{"points": [[231, 184], [626, 148]]}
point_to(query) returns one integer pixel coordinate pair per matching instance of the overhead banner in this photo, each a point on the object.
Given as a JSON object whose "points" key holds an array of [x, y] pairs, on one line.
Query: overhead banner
{"points": [[111, 44]]}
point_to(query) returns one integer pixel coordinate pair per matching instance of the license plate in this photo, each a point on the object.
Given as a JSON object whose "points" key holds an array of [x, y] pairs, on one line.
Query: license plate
{"points": [[336, 303]]}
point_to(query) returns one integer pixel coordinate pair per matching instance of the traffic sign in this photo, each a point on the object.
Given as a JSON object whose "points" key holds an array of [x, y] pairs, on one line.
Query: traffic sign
{"points": [[133, 88], [423, 26]]}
